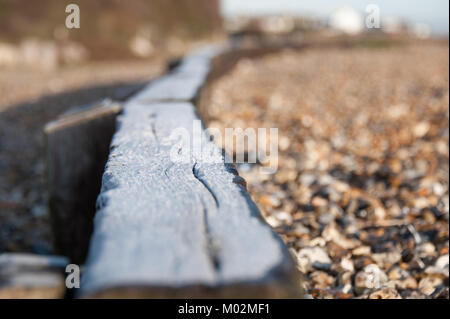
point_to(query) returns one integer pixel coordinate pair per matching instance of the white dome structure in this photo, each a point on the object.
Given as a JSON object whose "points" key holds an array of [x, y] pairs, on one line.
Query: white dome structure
{"points": [[347, 20]]}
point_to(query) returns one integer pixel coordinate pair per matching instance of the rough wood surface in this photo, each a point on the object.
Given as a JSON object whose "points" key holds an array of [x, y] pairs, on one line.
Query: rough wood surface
{"points": [[31, 276], [171, 228], [184, 82], [178, 229], [77, 150]]}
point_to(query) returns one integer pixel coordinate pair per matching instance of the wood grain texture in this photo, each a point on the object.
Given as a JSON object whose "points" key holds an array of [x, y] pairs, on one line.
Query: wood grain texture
{"points": [[77, 150], [173, 219], [185, 81], [167, 228]]}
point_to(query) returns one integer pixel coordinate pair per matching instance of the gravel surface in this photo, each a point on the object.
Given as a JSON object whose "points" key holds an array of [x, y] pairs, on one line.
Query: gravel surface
{"points": [[28, 100], [361, 193]]}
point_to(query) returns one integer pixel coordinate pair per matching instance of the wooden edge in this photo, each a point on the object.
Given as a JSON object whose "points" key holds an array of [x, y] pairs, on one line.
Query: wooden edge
{"points": [[77, 146], [284, 282], [92, 113]]}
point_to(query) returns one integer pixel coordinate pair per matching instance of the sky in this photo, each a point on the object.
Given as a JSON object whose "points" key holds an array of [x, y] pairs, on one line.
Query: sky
{"points": [[431, 12]]}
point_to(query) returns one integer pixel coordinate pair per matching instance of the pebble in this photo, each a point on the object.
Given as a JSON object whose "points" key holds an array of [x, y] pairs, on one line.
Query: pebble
{"points": [[313, 258], [319, 202], [428, 285], [408, 283], [425, 250], [347, 265], [345, 278], [299, 230], [371, 277], [421, 129], [284, 217], [321, 280], [273, 221], [398, 273], [326, 218], [414, 295], [270, 201], [442, 263], [385, 293], [335, 251], [441, 293], [306, 179], [361, 251], [387, 260]]}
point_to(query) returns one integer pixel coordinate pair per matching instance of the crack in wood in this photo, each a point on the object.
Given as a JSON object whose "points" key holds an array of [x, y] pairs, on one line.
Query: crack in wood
{"points": [[212, 244], [165, 232], [197, 175]]}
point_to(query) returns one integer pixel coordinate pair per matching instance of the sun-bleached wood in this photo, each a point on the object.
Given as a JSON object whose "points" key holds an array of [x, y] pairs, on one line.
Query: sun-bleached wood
{"points": [[184, 82], [178, 229], [170, 228]]}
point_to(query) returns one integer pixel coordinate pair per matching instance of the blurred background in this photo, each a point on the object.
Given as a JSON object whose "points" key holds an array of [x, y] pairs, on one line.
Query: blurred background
{"points": [[115, 29], [432, 13], [363, 118]]}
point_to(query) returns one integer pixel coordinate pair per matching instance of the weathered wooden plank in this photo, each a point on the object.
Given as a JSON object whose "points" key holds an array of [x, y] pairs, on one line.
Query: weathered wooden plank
{"points": [[31, 276], [184, 82], [77, 150], [176, 86], [171, 228]]}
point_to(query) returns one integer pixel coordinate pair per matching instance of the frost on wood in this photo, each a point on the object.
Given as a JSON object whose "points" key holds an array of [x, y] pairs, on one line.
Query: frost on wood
{"points": [[179, 228], [164, 225]]}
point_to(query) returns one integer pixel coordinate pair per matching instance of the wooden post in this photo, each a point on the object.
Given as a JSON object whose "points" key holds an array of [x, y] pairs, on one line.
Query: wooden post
{"points": [[77, 150], [168, 228]]}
